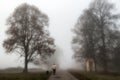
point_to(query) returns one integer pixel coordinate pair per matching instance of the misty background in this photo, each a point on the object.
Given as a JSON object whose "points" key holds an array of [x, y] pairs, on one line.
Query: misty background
{"points": [[63, 15]]}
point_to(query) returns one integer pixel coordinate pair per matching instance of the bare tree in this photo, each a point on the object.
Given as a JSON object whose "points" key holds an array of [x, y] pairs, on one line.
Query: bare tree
{"points": [[28, 34], [93, 31], [86, 38], [115, 48]]}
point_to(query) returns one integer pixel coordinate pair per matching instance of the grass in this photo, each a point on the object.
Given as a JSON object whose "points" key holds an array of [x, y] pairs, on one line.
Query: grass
{"points": [[21, 76], [95, 76]]}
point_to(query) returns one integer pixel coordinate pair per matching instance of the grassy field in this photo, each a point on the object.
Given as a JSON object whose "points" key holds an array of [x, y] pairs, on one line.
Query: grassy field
{"points": [[16, 74], [95, 76], [21, 76]]}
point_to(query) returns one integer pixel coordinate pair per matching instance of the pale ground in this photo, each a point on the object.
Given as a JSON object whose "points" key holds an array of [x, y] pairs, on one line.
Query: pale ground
{"points": [[62, 75]]}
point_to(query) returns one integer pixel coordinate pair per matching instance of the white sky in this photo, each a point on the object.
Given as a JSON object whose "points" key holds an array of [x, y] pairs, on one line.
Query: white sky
{"points": [[63, 15]]}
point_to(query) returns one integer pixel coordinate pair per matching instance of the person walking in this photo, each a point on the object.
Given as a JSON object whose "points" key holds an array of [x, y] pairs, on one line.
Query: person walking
{"points": [[54, 69]]}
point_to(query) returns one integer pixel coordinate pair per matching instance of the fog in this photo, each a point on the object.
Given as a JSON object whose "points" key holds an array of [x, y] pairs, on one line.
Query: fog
{"points": [[63, 15]]}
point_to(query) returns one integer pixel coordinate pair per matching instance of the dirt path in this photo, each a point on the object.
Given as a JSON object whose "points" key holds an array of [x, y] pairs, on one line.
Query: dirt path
{"points": [[62, 75]]}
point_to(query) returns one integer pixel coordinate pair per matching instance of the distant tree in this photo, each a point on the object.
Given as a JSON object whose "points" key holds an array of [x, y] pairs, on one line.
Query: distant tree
{"points": [[115, 58], [93, 31], [28, 34], [85, 41]]}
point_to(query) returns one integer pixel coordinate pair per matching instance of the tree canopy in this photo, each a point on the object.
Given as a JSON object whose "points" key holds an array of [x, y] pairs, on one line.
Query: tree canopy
{"points": [[95, 33], [28, 33]]}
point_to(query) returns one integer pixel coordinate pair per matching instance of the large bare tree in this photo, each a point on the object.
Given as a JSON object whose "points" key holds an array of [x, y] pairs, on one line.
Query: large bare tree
{"points": [[93, 31], [28, 34]]}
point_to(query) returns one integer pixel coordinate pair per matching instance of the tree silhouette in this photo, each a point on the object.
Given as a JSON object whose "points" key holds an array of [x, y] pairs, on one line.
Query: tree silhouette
{"points": [[28, 34], [93, 32]]}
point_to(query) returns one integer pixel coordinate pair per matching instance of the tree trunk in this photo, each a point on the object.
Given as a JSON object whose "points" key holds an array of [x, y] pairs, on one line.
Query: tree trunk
{"points": [[25, 64], [95, 66], [104, 55], [105, 67]]}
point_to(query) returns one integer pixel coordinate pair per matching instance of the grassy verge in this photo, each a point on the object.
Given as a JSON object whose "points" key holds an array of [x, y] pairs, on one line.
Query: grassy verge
{"points": [[21, 76], [95, 76]]}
